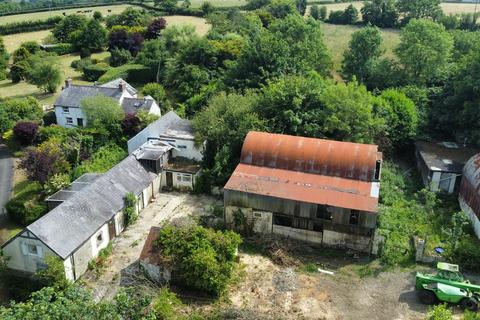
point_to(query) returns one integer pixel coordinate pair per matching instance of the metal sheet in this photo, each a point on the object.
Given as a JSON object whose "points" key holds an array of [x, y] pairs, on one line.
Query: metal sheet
{"points": [[470, 186], [304, 187], [324, 157]]}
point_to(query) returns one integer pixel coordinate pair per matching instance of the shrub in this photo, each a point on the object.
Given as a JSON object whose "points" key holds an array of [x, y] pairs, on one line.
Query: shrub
{"points": [[27, 206], [336, 17], [323, 13], [165, 305], [440, 312], [467, 253], [101, 161], [129, 210], [26, 131], [315, 12], [54, 275], [157, 92], [120, 57], [206, 8], [29, 26], [95, 71], [56, 183], [204, 258]]}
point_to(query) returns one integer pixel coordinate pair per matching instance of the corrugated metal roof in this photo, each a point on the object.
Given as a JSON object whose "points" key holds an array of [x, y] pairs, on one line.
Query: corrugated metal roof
{"points": [[439, 157], [325, 157], [470, 185], [73, 222], [305, 187]]}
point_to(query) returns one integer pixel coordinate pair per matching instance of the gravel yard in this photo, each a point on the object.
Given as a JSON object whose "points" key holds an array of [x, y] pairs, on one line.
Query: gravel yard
{"points": [[122, 265]]}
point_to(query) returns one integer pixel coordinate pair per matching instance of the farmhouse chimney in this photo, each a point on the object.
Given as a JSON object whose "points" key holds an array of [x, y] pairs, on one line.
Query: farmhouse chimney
{"points": [[68, 82], [122, 86]]}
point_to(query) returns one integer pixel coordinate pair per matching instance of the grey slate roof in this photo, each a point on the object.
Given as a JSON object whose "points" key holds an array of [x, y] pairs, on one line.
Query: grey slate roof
{"points": [[73, 95], [133, 105], [77, 185], [68, 226], [181, 128], [116, 83], [154, 130]]}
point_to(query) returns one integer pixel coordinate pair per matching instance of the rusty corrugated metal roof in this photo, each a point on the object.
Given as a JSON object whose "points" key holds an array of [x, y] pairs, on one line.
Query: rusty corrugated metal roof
{"points": [[470, 185], [305, 187], [324, 157]]}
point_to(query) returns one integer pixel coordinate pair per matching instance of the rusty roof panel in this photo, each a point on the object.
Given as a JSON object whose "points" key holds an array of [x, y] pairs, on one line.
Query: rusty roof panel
{"points": [[305, 187], [470, 185], [324, 157]]}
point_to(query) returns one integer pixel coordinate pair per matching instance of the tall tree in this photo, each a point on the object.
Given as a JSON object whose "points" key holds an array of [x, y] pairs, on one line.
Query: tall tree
{"points": [[92, 37], [293, 45], [224, 123], [363, 50], [104, 114], [419, 8], [381, 13], [44, 72], [68, 25], [166, 5], [425, 49]]}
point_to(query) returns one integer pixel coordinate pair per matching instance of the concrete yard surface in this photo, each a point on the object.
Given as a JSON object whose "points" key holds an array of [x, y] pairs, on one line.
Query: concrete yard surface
{"points": [[123, 262]]}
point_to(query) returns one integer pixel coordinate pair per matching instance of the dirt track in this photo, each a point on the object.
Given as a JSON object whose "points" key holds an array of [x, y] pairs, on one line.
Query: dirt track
{"points": [[319, 296]]}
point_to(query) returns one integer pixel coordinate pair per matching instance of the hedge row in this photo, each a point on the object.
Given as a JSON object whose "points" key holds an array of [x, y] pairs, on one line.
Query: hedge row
{"points": [[60, 48], [28, 26], [64, 7], [135, 73], [95, 71]]}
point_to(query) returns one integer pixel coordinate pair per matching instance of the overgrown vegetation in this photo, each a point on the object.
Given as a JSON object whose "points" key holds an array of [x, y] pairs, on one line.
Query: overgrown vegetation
{"points": [[130, 209], [406, 212], [98, 264], [203, 259]]}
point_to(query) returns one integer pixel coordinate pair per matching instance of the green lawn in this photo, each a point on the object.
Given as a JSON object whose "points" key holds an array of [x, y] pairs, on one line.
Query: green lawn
{"points": [[9, 89], [337, 38], [47, 14]]}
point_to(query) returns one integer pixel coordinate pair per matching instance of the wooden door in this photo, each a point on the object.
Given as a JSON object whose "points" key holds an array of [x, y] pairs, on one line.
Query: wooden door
{"points": [[169, 179], [111, 229]]}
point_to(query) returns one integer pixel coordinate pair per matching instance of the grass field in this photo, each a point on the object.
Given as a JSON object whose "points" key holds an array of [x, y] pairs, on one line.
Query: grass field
{"points": [[219, 3], [448, 8], [12, 42], [338, 36], [47, 14]]}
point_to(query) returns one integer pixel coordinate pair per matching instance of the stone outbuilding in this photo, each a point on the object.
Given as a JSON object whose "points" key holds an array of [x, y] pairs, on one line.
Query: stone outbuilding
{"points": [[156, 267]]}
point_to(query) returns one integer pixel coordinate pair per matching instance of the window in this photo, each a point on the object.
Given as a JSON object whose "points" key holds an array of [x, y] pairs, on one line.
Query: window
{"points": [[354, 217], [65, 109], [69, 120], [181, 147], [100, 237], [80, 122], [179, 177], [322, 213], [282, 220], [41, 265], [378, 166], [187, 178], [32, 249]]}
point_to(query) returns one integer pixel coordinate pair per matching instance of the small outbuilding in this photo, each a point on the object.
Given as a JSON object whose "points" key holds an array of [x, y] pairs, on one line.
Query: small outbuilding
{"points": [[319, 191], [155, 266], [469, 194], [441, 163]]}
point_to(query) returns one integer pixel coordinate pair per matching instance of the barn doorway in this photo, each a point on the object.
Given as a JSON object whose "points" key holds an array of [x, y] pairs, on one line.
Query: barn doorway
{"points": [[111, 229], [169, 179]]}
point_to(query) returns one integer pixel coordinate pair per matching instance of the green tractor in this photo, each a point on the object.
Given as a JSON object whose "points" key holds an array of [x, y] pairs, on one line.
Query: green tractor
{"points": [[448, 285]]}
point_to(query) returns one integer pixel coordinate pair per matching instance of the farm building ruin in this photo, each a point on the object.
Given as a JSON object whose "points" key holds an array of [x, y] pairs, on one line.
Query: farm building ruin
{"points": [[469, 194], [320, 191], [441, 163]]}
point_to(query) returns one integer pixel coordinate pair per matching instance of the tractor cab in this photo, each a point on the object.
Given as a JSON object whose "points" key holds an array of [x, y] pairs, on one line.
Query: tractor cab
{"points": [[449, 272]]}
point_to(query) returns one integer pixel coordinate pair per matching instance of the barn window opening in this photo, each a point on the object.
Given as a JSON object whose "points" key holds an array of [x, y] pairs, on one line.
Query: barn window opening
{"points": [[301, 223], [378, 166], [32, 249], [100, 237], [281, 220], [354, 217], [322, 213], [318, 227]]}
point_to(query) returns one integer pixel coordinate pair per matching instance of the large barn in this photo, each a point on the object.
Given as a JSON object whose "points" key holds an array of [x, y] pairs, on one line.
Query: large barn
{"points": [[320, 191], [469, 194]]}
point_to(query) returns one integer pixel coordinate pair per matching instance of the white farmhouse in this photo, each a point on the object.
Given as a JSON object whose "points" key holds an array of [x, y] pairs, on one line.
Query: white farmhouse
{"points": [[68, 105]]}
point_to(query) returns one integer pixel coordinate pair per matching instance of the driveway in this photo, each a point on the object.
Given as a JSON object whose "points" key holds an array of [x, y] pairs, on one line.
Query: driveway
{"points": [[6, 176], [122, 264]]}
